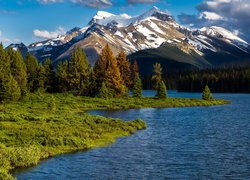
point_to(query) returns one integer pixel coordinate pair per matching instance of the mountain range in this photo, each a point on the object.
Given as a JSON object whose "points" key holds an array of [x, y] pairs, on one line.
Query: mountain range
{"points": [[152, 37]]}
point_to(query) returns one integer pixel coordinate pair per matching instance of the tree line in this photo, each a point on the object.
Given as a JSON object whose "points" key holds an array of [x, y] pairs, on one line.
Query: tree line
{"points": [[110, 77], [234, 80]]}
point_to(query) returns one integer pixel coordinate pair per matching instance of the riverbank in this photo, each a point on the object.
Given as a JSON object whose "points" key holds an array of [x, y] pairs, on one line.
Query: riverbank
{"points": [[42, 125]]}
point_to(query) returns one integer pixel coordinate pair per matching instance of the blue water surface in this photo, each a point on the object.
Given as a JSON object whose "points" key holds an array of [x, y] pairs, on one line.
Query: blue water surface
{"points": [[179, 143]]}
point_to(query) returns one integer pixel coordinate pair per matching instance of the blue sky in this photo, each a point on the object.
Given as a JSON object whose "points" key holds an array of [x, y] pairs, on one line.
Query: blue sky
{"points": [[19, 18]]}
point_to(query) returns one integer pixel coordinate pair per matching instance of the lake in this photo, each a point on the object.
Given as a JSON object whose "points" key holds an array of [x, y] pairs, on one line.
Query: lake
{"points": [[179, 143]]}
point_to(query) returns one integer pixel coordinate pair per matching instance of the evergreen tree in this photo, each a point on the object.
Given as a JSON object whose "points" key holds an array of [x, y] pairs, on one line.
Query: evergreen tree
{"points": [[41, 78], [207, 95], [101, 65], [18, 70], [49, 83], [32, 67], [162, 91], [124, 66], [106, 69], [157, 76], [79, 73], [104, 92], [137, 88], [10, 90], [62, 76], [158, 83], [134, 69]]}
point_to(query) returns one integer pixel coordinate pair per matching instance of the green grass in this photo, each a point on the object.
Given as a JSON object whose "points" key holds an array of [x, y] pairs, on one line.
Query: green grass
{"points": [[44, 125]]}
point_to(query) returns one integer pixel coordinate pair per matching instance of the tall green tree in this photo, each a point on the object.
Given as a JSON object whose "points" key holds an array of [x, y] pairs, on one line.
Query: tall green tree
{"points": [[49, 83], [32, 67], [158, 83], [79, 72], [207, 95], [162, 91], [137, 86], [157, 75], [62, 76], [124, 66], [104, 92], [18, 70], [10, 91]]}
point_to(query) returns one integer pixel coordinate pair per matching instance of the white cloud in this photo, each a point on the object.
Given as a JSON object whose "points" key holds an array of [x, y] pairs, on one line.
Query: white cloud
{"points": [[210, 16], [230, 14], [44, 34]]}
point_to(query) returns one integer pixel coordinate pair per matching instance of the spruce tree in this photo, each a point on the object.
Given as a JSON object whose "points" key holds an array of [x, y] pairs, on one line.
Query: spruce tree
{"points": [[62, 76], [207, 95], [157, 76], [32, 67], [104, 92], [18, 70], [10, 90], [124, 66], [49, 83], [106, 69], [162, 91], [79, 72], [137, 88], [134, 68], [41, 78]]}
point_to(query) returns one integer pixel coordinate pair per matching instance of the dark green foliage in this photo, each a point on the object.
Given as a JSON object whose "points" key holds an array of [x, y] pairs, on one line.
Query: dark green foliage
{"points": [[162, 91], [104, 92], [158, 83], [10, 91], [157, 75], [50, 81], [18, 70], [137, 88], [79, 73], [206, 94], [32, 67], [62, 76], [74, 75], [219, 80]]}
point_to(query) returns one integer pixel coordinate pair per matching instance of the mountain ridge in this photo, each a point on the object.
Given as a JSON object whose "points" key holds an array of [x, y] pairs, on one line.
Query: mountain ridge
{"points": [[142, 33]]}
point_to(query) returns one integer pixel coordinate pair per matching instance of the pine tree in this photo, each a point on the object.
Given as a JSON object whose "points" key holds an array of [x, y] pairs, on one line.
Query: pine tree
{"points": [[134, 69], [62, 76], [137, 88], [101, 65], [79, 72], [32, 67], [41, 78], [124, 66], [18, 70], [207, 95], [162, 91], [49, 84], [157, 76], [106, 69], [10, 90], [104, 92]]}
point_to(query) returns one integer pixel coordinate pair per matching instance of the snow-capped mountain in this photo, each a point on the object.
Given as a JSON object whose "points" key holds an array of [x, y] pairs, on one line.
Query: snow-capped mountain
{"points": [[152, 30]]}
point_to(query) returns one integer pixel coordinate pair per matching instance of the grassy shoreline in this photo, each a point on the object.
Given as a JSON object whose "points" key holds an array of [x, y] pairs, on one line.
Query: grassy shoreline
{"points": [[44, 125]]}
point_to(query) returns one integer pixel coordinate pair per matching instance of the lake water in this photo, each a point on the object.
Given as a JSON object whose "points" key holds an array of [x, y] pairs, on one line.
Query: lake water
{"points": [[179, 143]]}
